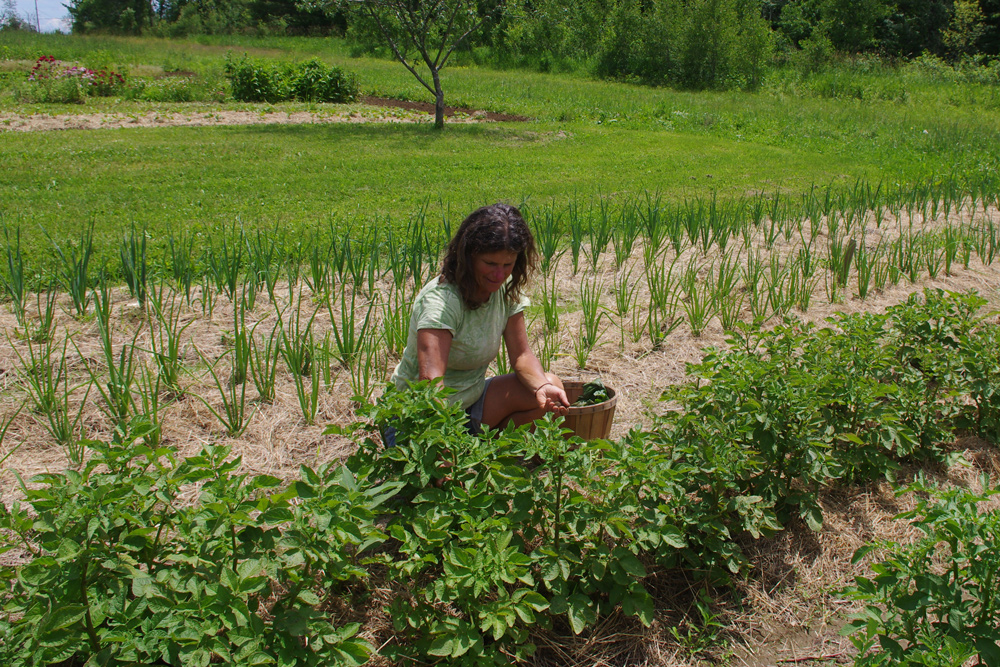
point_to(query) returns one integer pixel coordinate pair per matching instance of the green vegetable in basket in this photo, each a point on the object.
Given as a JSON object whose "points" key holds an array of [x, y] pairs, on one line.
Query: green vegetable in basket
{"points": [[593, 393]]}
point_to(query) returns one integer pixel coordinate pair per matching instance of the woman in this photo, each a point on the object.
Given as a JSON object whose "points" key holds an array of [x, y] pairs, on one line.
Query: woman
{"points": [[460, 317]]}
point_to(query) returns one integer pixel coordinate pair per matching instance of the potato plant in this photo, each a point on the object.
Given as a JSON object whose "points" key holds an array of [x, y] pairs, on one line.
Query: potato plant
{"points": [[935, 601], [117, 570]]}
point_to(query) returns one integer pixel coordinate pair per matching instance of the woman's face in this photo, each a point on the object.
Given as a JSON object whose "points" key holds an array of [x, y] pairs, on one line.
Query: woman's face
{"points": [[492, 270]]}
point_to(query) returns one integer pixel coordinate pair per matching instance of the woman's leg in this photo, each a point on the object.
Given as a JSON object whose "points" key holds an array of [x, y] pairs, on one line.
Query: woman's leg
{"points": [[508, 400]]}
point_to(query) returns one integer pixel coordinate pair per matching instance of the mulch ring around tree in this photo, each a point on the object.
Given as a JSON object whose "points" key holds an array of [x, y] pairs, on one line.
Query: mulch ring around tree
{"points": [[448, 111]]}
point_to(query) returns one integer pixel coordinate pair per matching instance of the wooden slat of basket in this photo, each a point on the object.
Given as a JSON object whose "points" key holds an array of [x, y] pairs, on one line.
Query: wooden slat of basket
{"points": [[589, 421]]}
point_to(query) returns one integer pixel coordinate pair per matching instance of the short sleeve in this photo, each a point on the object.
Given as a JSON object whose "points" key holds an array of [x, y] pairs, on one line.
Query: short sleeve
{"points": [[438, 309], [518, 306]]}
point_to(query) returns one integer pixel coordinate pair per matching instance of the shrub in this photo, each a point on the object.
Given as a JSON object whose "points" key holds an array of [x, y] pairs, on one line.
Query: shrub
{"points": [[258, 80], [255, 80], [702, 44], [314, 81]]}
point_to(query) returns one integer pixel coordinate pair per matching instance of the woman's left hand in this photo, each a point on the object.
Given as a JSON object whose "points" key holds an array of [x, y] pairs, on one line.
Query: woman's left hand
{"points": [[552, 399]]}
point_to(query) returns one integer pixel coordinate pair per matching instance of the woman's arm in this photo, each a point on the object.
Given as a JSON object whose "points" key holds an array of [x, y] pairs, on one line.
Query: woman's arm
{"points": [[528, 369], [433, 347]]}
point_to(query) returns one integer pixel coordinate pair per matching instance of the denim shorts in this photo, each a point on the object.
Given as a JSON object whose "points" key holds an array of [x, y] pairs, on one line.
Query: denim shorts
{"points": [[474, 413]]}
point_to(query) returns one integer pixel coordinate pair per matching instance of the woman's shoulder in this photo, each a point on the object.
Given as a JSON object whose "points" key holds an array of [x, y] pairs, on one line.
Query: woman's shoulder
{"points": [[437, 289], [438, 295]]}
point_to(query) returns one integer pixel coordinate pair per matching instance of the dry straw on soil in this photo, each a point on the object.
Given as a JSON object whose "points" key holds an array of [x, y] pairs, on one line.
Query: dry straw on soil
{"points": [[369, 110]]}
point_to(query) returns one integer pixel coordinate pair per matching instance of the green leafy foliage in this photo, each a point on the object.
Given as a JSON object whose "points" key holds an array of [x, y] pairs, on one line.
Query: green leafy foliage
{"points": [[805, 406], [935, 602], [489, 549], [314, 81], [259, 80], [594, 392], [122, 572]]}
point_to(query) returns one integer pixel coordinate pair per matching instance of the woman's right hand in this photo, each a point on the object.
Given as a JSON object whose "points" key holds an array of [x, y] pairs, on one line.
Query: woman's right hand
{"points": [[552, 399]]}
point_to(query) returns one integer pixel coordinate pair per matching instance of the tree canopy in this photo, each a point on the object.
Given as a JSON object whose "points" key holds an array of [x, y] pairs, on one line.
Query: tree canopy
{"points": [[683, 43], [421, 34]]}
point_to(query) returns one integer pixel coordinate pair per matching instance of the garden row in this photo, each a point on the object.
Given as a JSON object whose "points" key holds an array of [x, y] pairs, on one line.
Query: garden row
{"points": [[881, 231], [53, 81], [477, 544], [334, 308]]}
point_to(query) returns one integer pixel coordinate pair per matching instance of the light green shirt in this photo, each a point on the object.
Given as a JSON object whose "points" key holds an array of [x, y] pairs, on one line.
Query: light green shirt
{"points": [[476, 336]]}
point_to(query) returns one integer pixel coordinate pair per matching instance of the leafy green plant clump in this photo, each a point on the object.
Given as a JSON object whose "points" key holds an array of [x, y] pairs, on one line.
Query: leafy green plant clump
{"points": [[801, 406], [936, 602], [594, 392], [120, 571], [258, 80], [484, 552]]}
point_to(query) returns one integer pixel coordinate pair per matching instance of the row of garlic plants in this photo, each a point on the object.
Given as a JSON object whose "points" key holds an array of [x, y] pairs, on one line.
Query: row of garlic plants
{"points": [[330, 312]]}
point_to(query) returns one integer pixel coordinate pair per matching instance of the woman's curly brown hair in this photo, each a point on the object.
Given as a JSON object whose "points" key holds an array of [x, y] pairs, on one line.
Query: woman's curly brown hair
{"points": [[494, 228]]}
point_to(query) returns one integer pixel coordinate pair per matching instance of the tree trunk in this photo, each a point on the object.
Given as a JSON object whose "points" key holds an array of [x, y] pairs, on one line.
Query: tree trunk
{"points": [[438, 101]]}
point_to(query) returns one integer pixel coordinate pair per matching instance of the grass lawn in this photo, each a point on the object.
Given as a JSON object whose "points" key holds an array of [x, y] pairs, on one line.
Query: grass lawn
{"points": [[304, 175], [588, 139]]}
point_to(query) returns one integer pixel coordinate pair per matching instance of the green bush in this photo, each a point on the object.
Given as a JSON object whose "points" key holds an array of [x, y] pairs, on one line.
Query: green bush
{"points": [[313, 81], [255, 80], [258, 80], [701, 44]]}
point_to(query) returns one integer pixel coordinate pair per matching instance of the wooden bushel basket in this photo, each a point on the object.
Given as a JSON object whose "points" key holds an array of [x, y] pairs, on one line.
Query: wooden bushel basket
{"points": [[589, 421]]}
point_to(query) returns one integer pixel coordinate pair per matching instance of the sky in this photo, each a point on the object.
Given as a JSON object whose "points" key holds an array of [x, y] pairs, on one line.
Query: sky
{"points": [[51, 13]]}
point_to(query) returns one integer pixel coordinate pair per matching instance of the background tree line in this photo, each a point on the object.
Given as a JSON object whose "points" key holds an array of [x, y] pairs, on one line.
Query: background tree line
{"points": [[684, 43], [11, 20]]}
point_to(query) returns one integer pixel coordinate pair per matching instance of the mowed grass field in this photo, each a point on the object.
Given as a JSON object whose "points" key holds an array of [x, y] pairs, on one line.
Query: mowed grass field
{"points": [[586, 139]]}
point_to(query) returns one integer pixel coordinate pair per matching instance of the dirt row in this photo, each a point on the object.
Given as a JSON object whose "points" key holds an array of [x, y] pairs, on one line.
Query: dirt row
{"points": [[369, 110]]}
